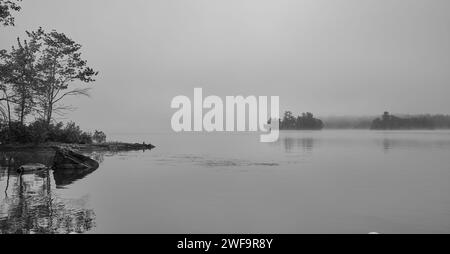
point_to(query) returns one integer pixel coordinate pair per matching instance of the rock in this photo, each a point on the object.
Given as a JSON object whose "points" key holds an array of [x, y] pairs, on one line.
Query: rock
{"points": [[107, 146], [66, 158], [33, 167]]}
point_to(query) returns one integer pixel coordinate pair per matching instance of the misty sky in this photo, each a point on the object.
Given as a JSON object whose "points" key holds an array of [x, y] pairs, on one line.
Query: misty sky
{"points": [[330, 57]]}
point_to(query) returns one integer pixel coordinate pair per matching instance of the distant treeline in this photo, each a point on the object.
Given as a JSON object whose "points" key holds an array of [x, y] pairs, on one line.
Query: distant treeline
{"points": [[386, 122], [304, 122], [348, 122], [391, 122]]}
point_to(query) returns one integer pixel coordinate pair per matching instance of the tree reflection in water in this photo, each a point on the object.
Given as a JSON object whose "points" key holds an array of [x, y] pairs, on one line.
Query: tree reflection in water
{"points": [[290, 144], [31, 204]]}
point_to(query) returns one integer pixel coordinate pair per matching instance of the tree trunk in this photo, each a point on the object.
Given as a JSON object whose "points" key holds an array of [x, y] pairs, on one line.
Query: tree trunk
{"points": [[22, 111], [8, 107], [49, 114]]}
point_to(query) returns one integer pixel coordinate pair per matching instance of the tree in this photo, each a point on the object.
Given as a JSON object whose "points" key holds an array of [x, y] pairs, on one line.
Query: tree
{"points": [[59, 65], [391, 122], [304, 122], [99, 136], [288, 121], [24, 77], [4, 79], [6, 9], [19, 77], [38, 73]]}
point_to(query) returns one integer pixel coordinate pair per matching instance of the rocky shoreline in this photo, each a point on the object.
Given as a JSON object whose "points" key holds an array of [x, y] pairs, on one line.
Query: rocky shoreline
{"points": [[107, 146]]}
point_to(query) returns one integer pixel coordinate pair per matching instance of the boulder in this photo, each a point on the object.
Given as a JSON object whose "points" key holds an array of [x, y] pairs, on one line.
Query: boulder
{"points": [[32, 167], [66, 158]]}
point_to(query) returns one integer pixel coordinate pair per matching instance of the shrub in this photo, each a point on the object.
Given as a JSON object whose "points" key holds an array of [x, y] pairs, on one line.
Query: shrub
{"points": [[16, 133], [99, 136], [86, 138], [39, 132]]}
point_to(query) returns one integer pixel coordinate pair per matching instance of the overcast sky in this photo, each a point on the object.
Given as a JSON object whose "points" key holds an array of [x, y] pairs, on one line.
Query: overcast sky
{"points": [[330, 57]]}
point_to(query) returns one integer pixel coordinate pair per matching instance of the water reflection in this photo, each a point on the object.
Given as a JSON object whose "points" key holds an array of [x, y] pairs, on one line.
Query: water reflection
{"points": [[388, 144], [66, 177], [31, 203], [393, 143], [290, 144], [387, 141]]}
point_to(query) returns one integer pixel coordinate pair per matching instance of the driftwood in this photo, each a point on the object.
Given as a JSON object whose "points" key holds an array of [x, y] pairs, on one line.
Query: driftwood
{"points": [[34, 167]]}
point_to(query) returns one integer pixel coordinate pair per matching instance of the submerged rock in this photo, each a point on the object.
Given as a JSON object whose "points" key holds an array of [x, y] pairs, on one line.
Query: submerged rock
{"points": [[32, 167]]}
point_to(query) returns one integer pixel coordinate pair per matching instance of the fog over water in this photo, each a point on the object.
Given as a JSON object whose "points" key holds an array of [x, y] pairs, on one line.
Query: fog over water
{"points": [[346, 57]]}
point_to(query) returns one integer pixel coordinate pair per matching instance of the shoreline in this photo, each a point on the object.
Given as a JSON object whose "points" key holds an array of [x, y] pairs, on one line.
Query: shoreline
{"points": [[107, 146]]}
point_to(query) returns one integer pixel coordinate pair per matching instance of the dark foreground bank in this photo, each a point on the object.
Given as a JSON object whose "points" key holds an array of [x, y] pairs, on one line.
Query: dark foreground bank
{"points": [[107, 146]]}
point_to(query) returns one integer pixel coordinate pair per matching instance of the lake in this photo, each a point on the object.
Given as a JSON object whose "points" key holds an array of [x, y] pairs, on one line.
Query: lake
{"points": [[331, 181]]}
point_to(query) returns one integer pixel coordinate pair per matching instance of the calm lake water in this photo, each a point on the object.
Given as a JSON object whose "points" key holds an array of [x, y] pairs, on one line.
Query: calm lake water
{"points": [[307, 182]]}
